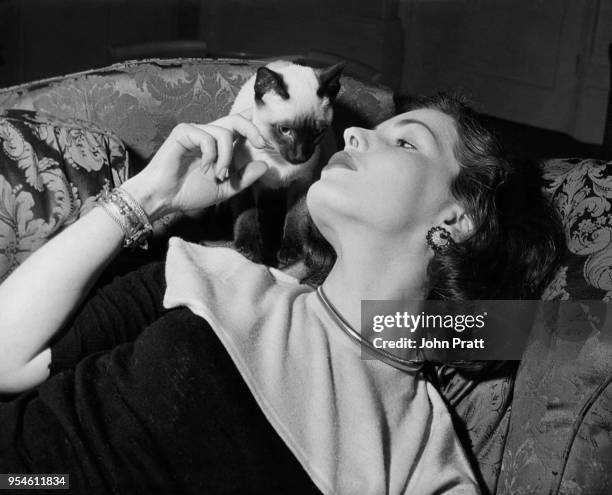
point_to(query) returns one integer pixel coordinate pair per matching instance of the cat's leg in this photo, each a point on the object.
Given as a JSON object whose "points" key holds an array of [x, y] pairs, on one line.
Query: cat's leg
{"points": [[294, 233], [296, 224], [272, 208], [247, 235], [246, 226], [304, 244]]}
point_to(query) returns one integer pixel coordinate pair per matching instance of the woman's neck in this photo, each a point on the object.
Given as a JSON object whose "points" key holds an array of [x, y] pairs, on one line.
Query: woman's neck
{"points": [[361, 275]]}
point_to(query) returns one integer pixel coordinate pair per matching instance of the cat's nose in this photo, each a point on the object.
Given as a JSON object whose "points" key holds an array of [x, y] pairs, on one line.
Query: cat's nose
{"points": [[356, 139]]}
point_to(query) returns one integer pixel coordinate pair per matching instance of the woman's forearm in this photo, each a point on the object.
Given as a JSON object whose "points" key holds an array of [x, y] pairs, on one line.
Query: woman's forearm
{"points": [[37, 299]]}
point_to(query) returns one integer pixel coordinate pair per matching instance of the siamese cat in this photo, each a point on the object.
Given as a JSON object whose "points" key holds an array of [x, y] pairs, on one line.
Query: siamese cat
{"points": [[292, 106]]}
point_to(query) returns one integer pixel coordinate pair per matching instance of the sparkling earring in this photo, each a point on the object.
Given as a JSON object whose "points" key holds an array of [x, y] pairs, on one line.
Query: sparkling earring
{"points": [[439, 239]]}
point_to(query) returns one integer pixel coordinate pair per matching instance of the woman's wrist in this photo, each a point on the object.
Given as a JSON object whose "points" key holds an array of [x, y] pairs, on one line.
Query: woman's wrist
{"points": [[127, 212], [153, 207]]}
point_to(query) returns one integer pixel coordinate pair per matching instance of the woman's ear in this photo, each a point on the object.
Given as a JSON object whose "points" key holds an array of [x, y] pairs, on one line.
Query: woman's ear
{"points": [[458, 222]]}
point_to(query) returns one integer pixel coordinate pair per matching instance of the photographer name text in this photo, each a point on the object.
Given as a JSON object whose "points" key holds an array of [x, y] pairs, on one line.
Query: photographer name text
{"points": [[430, 343]]}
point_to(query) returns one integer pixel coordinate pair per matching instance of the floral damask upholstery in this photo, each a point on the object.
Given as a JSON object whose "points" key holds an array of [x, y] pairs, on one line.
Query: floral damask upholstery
{"points": [[552, 424], [49, 171], [481, 404], [560, 433], [142, 101], [582, 190]]}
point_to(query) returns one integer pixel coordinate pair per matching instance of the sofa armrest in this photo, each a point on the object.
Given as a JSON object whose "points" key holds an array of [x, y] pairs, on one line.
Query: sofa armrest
{"points": [[560, 434], [50, 172]]}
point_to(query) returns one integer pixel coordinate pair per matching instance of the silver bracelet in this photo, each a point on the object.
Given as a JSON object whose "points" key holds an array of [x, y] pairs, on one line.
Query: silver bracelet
{"points": [[128, 214]]}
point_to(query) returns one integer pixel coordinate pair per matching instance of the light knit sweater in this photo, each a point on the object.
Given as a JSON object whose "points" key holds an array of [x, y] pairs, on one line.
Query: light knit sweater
{"points": [[356, 426]]}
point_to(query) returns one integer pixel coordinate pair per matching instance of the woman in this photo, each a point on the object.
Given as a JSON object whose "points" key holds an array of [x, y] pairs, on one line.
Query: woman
{"points": [[276, 398]]}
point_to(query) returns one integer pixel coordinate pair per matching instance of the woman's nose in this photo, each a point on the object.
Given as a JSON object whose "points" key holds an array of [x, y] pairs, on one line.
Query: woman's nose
{"points": [[356, 139]]}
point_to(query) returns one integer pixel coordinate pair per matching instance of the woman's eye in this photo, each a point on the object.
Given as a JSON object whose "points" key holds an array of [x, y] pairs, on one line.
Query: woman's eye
{"points": [[402, 143], [284, 130]]}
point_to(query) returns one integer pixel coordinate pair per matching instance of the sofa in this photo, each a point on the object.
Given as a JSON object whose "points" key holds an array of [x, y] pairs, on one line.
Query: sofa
{"points": [[63, 138]]}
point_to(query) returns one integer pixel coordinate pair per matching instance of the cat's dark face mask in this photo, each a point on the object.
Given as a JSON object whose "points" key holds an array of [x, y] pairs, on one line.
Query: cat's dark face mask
{"points": [[297, 143], [298, 140]]}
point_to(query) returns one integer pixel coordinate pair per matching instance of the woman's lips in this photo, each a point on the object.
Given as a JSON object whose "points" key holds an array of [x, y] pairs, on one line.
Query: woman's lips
{"points": [[341, 159]]}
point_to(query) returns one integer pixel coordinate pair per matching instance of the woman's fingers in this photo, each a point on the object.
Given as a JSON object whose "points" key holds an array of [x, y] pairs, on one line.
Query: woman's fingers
{"points": [[214, 142], [242, 179], [246, 128], [225, 149], [225, 130], [181, 175], [184, 139], [240, 125]]}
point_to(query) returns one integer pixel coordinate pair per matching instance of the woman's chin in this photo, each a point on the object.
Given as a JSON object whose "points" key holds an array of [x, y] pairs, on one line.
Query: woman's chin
{"points": [[327, 191], [321, 200]]}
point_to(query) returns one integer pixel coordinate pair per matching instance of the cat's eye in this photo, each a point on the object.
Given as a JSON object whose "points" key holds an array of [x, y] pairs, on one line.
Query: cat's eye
{"points": [[284, 130], [402, 143]]}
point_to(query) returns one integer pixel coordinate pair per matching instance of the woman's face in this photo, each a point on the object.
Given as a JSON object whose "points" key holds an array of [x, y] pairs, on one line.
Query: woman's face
{"points": [[391, 180]]}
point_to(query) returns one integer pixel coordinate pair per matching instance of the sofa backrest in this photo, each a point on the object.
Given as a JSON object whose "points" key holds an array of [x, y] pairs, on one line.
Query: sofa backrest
{"points": [[74, 129], [560, 430], [142, 101]]}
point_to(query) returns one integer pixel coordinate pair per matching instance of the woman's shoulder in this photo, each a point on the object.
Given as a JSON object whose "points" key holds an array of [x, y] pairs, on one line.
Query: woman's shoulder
{"points": [[217, 276]]}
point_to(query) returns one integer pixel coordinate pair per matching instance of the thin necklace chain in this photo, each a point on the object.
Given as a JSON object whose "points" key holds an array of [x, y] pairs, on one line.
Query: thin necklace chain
{"points": [[387, 357]]}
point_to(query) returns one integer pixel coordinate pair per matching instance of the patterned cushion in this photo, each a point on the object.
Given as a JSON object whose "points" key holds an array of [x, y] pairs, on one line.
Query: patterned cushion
{"points": [[142, 101], [582, 190], [49, 171], [560, 433]]}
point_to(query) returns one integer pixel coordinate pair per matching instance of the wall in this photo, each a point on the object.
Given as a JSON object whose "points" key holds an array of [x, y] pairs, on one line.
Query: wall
{"points": [[368, 31], [538, 62], [41, 38], [595, 73]]}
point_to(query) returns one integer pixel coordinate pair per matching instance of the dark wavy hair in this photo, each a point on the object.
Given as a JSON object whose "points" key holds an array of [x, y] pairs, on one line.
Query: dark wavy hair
{"points": [[517, 241]]}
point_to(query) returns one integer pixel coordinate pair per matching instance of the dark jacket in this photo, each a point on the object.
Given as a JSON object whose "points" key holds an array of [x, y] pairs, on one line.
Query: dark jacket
{"points": [[144, 400]]}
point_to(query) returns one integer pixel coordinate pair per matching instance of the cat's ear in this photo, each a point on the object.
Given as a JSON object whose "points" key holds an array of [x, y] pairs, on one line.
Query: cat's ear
{"points": [[329, 81], [267, 80]]}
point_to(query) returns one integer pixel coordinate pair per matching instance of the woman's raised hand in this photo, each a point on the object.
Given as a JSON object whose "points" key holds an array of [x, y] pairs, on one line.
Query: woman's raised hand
{"points": [[190, 171], [181, 177]]}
